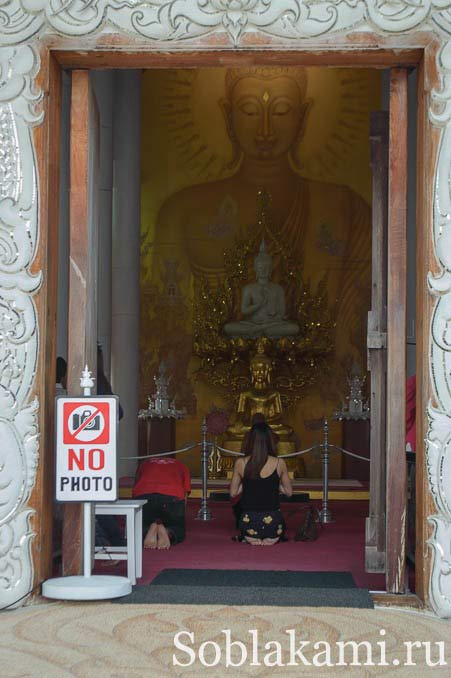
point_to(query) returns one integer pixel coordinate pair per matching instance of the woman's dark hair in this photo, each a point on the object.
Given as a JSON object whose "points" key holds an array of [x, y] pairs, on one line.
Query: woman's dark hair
{"points": [[259, 446]]}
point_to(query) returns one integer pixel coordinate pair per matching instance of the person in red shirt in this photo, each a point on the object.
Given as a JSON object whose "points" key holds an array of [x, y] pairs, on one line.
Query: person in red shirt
{"points": [[165, 482]]}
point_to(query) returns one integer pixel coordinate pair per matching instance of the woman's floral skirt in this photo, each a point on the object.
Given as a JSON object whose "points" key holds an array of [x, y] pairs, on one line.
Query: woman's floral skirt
{"points": [[261, 524]]}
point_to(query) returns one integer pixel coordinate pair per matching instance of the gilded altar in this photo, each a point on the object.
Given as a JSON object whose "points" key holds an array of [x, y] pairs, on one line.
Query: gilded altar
{"points": [[263, 361]]}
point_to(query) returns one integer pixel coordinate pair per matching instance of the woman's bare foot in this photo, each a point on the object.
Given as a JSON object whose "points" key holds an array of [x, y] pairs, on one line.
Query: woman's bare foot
{"points": [[163, 541], [270, 542], [253, 541], [150, 540]]}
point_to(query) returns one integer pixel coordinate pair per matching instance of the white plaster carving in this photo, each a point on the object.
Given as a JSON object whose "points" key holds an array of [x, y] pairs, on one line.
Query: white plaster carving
{"points": [[176, 24], [18, 321], [439, 433], [176, 20], [438, 466]]}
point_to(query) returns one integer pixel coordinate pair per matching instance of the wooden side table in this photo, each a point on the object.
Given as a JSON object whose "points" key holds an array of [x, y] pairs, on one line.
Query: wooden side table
{"points": [[133, 551]]}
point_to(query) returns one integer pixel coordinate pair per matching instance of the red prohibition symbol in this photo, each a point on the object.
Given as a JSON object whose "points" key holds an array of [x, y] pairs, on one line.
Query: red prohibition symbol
{"points": [[86, 422]]}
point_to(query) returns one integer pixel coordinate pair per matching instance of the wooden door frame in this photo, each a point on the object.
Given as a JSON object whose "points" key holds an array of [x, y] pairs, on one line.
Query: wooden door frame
{"points": [[386, 55]]}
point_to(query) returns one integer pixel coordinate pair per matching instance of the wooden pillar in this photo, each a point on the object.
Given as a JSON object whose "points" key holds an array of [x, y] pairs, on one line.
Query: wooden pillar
{"points": [[377, 342], [82, 315], [396, 334]]}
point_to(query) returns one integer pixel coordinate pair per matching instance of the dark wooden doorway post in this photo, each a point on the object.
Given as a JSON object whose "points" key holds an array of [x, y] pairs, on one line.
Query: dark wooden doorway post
{"points": [[377, 345], [83, 254], [396, 334], [386, 525]]}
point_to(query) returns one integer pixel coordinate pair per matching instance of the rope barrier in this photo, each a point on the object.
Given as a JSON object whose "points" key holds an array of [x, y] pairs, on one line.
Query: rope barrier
{"points": [[165, 454], [298, 454], [280, 456], [241, 454], [351, 454], [295, 454]]}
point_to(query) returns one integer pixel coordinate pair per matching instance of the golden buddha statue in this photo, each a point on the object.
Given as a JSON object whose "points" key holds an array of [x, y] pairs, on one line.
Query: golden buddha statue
{"points": [[261, 399]]}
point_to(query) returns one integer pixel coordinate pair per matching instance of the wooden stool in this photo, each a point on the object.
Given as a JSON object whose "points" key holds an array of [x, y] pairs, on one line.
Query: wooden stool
{"points": [[132, 509]]}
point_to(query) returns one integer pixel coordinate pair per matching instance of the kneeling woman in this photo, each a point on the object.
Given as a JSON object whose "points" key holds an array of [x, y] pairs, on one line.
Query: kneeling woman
{"points": [[260, 476]]}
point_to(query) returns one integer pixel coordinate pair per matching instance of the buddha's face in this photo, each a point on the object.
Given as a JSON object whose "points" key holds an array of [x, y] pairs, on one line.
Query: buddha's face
{"points": [[260, 374], [266, 116], [263, 267]]}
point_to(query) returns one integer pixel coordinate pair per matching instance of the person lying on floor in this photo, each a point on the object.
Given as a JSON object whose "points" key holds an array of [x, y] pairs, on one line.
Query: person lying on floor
{"points": [[260, 476], [165, 482]]}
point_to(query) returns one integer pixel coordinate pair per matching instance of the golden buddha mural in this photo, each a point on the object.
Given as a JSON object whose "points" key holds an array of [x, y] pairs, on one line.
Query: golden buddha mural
{"points": [[325, 225]]}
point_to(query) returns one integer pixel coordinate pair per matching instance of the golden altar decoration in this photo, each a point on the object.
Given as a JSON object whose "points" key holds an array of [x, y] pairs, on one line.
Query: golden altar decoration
{"points": [[261, 399], [297, 362]]}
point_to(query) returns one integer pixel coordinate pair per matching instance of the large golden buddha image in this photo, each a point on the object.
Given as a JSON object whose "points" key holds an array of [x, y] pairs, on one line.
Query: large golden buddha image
{"points": [[325, 225]]}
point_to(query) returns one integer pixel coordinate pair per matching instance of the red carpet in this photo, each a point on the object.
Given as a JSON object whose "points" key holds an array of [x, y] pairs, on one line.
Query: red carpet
{"points": [[340, 546]]}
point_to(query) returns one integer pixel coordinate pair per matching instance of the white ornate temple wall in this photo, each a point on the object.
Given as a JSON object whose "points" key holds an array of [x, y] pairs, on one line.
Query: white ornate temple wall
{"points": [[26, 26]]}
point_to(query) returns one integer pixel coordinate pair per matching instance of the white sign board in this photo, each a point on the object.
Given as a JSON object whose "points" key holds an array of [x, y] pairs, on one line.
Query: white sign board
{"points": [[86, 433]]}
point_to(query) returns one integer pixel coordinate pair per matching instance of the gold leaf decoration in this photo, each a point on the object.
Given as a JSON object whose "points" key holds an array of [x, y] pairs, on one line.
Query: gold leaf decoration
{"points": [[298, 362]]}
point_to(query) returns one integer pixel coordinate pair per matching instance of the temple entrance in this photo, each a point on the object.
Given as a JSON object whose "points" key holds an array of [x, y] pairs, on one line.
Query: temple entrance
{"points": [[261, 249]]}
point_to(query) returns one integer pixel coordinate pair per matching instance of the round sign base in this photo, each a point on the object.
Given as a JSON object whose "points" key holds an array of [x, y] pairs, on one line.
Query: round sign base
{"points": [[95, 587]]}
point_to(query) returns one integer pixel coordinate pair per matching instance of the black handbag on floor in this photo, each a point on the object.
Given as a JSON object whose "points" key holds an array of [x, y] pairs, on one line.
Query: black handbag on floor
{"points": [[308, 530]]}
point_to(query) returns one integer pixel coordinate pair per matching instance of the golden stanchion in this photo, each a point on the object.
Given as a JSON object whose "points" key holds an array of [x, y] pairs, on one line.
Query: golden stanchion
{"points": [[215, 461]]}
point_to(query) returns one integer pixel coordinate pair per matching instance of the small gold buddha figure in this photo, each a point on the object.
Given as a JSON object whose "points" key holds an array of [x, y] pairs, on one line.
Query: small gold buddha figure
{"points": [[261, 398]]}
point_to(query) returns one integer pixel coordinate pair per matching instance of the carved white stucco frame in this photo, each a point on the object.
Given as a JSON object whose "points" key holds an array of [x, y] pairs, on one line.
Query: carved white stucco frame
{"points": [[175, 25]]}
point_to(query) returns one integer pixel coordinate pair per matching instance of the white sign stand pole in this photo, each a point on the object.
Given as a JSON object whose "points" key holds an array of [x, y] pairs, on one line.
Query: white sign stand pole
{"points": [[87, 539], [87, 586]]}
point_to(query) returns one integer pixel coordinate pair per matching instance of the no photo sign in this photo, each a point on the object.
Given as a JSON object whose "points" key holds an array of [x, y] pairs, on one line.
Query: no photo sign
{"points": [[86, 449]]}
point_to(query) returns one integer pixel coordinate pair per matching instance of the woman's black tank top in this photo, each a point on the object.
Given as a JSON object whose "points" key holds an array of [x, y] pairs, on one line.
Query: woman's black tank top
{"points": [[261, 494]]}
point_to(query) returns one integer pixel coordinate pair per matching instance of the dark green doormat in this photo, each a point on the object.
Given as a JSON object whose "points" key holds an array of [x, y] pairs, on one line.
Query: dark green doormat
{"points": [[195, 577], [220, 587]]}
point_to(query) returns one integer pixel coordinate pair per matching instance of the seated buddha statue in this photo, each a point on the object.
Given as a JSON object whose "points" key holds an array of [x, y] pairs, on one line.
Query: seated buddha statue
{"points": [[262, 305], [261, 399]]}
